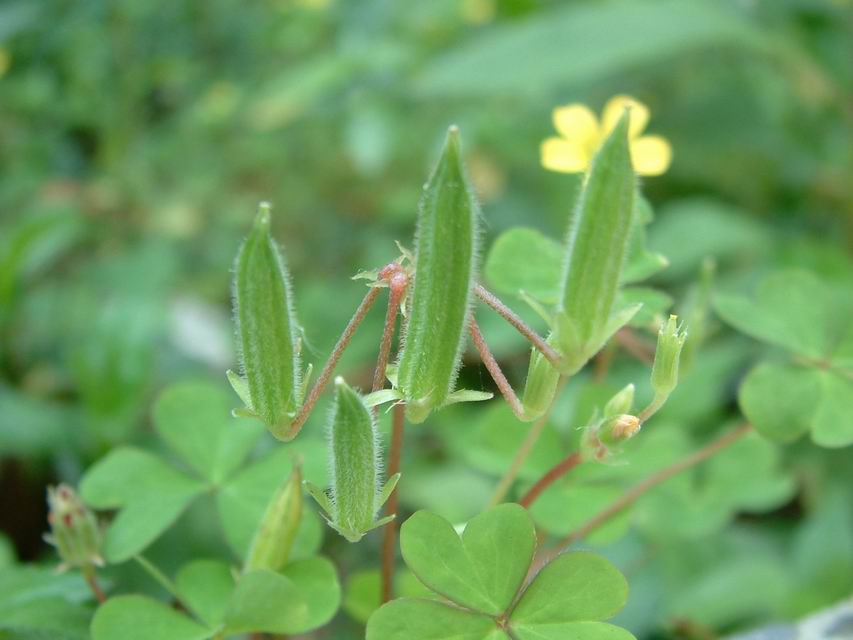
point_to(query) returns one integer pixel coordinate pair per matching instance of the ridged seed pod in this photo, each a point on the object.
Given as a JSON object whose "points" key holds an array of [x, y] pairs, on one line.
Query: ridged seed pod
{"points": [[445, 257], [276, 532], [267, 331]]}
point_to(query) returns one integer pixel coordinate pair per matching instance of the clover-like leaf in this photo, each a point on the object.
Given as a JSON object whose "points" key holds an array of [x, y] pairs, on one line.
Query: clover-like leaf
{"points": [[194, 419], [206, 586], [482, 574], [481, 570], [149, 493], [141, 618]]}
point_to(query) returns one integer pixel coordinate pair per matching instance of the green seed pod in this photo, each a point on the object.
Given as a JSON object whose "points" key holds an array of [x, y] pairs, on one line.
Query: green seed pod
{"points": [[356, 495], [276, 532], [266, 331], [540, 386], [445, 254], [671, 339], [74, 530], [596, 247]]}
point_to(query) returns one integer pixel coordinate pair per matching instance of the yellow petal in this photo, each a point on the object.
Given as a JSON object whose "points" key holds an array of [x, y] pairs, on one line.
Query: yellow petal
{"points": [[613, 111], [578, 123], [564, 156], [651, 155]]}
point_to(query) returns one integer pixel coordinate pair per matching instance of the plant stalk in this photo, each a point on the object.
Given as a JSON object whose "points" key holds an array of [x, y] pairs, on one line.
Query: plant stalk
{"points": [[92, 581], [495, 370], [552, 475], [389, 538]]}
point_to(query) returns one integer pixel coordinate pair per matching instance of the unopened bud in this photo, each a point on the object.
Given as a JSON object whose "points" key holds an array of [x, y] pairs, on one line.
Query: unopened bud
{"points": [[73, 529], [622, 427], [671, 339], [540, 387], [621, 402], [277, 530]]}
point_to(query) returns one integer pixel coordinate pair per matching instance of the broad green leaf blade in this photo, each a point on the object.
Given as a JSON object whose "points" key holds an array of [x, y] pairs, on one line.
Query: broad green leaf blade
{"points": [[150, 494], [574, 587], [484, 568], [194, 418], [304, 597], [445, 253], [206, 587], [791, 309], [141, 618], [416, 619], [363, 592], [267, 329], [780, 399], [524, 259], [573, 630], [833, 422], [596, 247], [317, 582], [601, 40]]}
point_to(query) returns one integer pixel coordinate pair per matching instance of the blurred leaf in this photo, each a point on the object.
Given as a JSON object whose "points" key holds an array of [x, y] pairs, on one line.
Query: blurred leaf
{"points": [[194, 418], [415, 619], [601, 39], [363, 592], [655, 304], [783, 416], [205, 586], [141, 618], [525, 259], [149, 493]]}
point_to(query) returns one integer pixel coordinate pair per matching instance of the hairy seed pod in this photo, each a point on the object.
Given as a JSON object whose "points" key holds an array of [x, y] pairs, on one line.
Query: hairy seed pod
{"points": [[74, 530], [445, 256], [356, 494], [276, 532], [267, 329], [596, 247]]}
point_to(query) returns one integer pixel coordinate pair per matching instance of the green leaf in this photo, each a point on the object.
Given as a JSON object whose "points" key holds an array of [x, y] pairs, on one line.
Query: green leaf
{"points": [[267, 329], [141, 618], [363, 593], [484, 568], [574, 587], [833, 422], [243, 500], [601, 40], [524, 259], [655, 304], [206, 587], [445, 253], [596, 246], [791, 309], [304, 597], [415, 619], [149, 493], [194, 418], [573, 630], [780, 399]]}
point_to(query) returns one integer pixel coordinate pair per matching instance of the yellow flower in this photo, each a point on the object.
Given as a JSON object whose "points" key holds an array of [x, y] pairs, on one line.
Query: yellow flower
{"points": [[581, 134]]}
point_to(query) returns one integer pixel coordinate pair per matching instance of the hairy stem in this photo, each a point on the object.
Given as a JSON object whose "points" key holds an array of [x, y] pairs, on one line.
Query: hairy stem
{"points": [[495, 370], [389, 537], [635, 492], [523, 328], [552, 475], [396, 294], [331, 363], [524, 450], [92, 581]]}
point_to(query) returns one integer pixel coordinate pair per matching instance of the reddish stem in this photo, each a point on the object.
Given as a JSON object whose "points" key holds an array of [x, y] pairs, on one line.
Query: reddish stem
{"points": [[92, 581], [552, 475], [523, 328], [397, 283], [389, 539], [495, 370], [331, 363]]}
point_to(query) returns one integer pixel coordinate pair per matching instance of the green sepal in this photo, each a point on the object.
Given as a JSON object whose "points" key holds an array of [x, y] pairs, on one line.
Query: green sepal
{"points": [[445, 257]]}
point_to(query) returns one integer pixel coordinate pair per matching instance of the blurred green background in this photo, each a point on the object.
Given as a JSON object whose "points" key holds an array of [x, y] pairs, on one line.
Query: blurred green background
{"points": [[137, 137]]}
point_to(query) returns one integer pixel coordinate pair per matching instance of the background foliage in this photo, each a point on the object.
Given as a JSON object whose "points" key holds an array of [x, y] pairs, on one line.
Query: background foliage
{"points": [[136, 139]]}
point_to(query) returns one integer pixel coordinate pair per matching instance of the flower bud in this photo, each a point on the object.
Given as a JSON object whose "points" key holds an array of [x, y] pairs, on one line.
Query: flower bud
{"points": [[621, 402], [356, 494], [276, 532], [445, 257], [671, 339], [540, 386], [74, 530], [266, 331], [618, 429], [596, 249]]}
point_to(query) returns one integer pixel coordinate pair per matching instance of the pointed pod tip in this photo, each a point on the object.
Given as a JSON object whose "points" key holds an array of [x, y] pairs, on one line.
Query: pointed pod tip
{"points": [[453, 137], [262, 220], [340, 382]]}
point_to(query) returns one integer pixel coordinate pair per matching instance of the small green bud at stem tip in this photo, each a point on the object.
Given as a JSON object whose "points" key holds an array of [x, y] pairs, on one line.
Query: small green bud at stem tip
{"points": [[74, 530], [277, 530]]}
